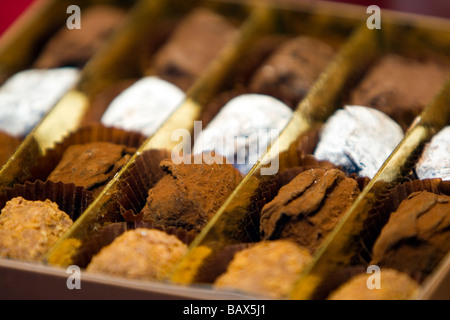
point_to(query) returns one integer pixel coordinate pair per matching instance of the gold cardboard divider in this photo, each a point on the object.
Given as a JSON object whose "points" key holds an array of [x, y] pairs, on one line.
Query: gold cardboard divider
{"points": [[104, 208]]}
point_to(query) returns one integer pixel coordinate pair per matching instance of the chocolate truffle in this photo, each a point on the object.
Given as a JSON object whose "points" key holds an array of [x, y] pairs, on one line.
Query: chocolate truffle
{"points": [[435, 159], [400, 87], [189, 194], [243, 129], [417, 235], [8, 144], [289, 72], [267, 268], [28, 95], [29, 228], [145, 254], [308, 208], [395, 285], [194, 44], [359, 139], [74, 47], [144, 106], [91, 165]]}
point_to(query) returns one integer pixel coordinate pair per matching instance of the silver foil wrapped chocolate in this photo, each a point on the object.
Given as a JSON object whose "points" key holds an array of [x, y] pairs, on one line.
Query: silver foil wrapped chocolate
{"points": [[243, 129], [359, 139], [144, 106], [435, 159], [27, 96]]}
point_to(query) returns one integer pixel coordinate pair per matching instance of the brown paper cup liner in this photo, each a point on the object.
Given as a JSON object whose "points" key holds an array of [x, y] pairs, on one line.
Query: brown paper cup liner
{"points": [[106, 235], [389, 203], [86, 134], [71, 199], [140, 177]]}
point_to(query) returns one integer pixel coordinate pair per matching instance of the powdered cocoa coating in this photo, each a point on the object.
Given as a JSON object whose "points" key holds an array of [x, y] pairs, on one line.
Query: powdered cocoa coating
{"points": [[29, 228], [189, 195], [91, 165], [400, 87], [141, 253], [417, 235], [74, 47], [194, 44], [308, 208], [291, 70]]}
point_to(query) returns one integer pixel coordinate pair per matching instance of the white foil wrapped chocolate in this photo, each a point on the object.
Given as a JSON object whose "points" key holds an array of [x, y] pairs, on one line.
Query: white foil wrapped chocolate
{"points": [[27, 96], [144, 106], [435, 159], [243, 129], [359, 139]]}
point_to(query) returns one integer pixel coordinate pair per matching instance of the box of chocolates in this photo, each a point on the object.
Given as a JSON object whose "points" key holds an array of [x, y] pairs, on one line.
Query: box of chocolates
{"points": [[225, 150]]}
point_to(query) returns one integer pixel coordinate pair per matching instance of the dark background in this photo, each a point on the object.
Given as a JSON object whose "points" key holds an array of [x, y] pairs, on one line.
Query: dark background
{"points": [[11, 9]]}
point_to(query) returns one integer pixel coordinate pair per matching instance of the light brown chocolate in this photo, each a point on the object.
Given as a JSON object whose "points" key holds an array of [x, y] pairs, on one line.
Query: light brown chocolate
{"points": [[141, 253], [29, 228]]}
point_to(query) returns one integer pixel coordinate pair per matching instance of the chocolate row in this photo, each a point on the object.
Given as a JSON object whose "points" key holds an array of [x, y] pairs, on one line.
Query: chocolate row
{"points": [[316, 77]]}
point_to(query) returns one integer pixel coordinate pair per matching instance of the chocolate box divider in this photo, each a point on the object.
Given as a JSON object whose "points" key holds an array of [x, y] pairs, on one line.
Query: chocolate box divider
{"points": [[211, 236]]}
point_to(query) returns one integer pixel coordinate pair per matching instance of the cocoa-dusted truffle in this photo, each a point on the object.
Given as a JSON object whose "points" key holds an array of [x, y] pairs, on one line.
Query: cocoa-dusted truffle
{"points": [[308, 208], [141, 253], [435, 159], [29, 228], [193, 45], [189, 194], [417, 235], [74, 47], [267, 268], [290, 71], [91, 165], [400, 87], [395, 285], [359, 139]]}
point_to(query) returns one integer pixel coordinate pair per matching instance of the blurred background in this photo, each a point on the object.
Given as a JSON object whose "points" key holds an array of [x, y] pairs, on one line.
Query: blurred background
{"points": [[10, 10]]}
